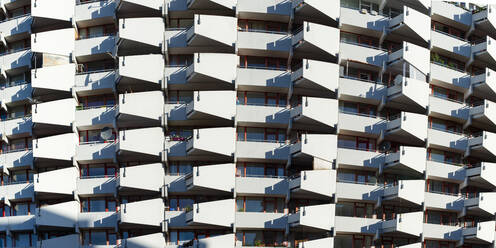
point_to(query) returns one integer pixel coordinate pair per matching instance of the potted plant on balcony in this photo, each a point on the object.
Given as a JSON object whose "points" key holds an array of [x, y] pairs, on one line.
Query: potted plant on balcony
{"points": [[258, 243], [188, 208]]}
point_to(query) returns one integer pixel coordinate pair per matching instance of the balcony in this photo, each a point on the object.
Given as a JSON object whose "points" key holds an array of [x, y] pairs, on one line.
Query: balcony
{"points": [[355, 89], [263, 79], [362, 192], [306, 186], [97, 220], [64, 144], [448, 109], [443, 202], [17, 27], [482, 233], [59, 52], [17, 127], [133, 75], [451, 15], [445, 171], [60, 215], [212, 108], [412, 25], [94, 82], [95, 13], [405, 192], [316, 11], [308, 115], [16, 192], [131, 215], [359, 159], [374, 57], [485, 19], [317, 42], [91, 186], [484, 205], [142, 109], [17, 223], [260, 151], [15, 94], [445, 140], [455, 46], [144, 144], [482, 146], [409, 94], [262, 116], [354, 19], [16, 61], [66, 178], [313, 218], [53, 82], [407, 128], [203, 38], [485, 51], [449, 77], [482, 116], [138, 8], [407, 161], [53, 13], [482, 176], [438, 232], [484, 85], [213, 6], [277, 10], [202, 75], [200, 180], [148, 240], [260, 42], [412, 54], [201, 145], [94, 117], [95, 48], [95, 152], [207, 214], [354, 225], [309, 80], [360, 124], [131, 179], [410, 224], [71, 240], [133, 39], [318, 243], [273, 186], [53, 117], [17, 159], [309, 150], [260, 220]]}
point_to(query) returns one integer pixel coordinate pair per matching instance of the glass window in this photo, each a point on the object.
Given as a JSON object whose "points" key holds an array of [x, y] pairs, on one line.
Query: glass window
{"points": [[254, 170], [184, 203], [98, 238], [254, 205], [185, 237], [21, 209], [252, 237], [97, 205], [22, 239], [173, 203]]}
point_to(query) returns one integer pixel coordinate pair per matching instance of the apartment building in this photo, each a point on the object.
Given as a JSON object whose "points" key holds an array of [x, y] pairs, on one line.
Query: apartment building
{"points": [[247, 123]]}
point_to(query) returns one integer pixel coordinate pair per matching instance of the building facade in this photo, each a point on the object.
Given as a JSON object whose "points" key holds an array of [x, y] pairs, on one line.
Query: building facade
{"points": [[247, 123]]}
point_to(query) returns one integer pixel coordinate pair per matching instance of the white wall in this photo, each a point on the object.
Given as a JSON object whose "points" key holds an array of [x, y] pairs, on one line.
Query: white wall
{"points": [[223, 175], [59, 112], [59, 77], [132, 29], [64, 144], [225, 140], [132, 67], [144, 140], [149, 104], [132, 177], [53, 9], [43, 42], [65, 181], [225, 28]]}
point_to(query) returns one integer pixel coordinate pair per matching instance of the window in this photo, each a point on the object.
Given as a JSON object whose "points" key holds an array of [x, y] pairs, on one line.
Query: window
{"points": [[180, 23], [98, 204], [360, 177], [447, 62], [261, 99], [180, 97], [23, 239], [261, 134], [23, 208], [180, 168], [353, 241], [260, 204], [437, 26], [179, 134], [96, 66], [359, 143], [358, 108], [97, 101], [180, 60], [180, 203], [26, 9], [439, 244], [4, 210], [94, 136], [96, 31], [267, 238], [263, 62], [98, 170], [442, 187], [261, 26], [444, 125], [350, 209], [359, 39], [99, 237], [441, 218], [444, 156]]}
